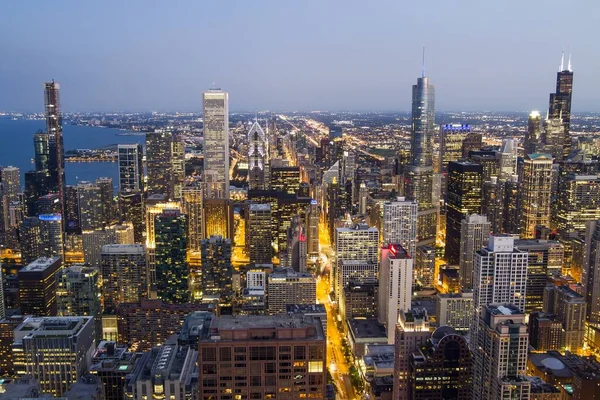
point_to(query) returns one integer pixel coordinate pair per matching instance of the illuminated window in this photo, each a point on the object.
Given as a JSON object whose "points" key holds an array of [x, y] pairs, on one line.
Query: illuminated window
{"points": [[315, 366]]}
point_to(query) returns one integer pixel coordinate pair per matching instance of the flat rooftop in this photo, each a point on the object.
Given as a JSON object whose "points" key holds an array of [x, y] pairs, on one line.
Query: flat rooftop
{"points": [[41, 264], [363, 328], [265, 322], [503, 309], [305, 308]]}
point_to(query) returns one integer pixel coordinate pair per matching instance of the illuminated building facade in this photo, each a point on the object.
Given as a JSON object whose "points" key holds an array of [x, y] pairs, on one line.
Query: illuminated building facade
{"points": [[131, 169], [192, 207], [37, 286], [259, 236], [258, 158], [400, 224], [533, 137], [591, 270], [124, 274], [465, 181], [172, 270], [313, 216], [218, 218], [90, 206], [455, 310], [570, 310], [285, 179], [578, 201], [106, 200], [216, 144], [53, 116], [158, 162], [30, 239], [286, 286], [395, 286], [131, 209], [51, 235], [474, 235], [536, 187], [560, 103], [217, 270], [276, 355]]}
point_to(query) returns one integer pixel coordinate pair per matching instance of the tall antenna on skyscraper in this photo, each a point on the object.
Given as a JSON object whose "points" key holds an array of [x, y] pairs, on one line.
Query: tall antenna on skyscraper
{"points": [[423, 64], [562, 61], [569, 64]]}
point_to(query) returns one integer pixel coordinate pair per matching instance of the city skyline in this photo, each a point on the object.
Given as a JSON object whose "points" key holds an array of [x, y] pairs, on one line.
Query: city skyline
{"points": [[367, 61]]}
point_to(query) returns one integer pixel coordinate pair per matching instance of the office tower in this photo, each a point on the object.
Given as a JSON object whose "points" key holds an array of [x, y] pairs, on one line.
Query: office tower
{"points": [[172, 270], [591, 271], [500, 274], [570, 310], [400, 224], [507, 159], [72, 222], [536, 189], [177, 181], [286, 286], [48, 204], [11, 182], [168, 372], [37, 286], [124, 274], [492, 205], [148, 323], [532, 143], [488, 159], [512, 203], [560, 103], [41, 146], [357, 243], [472, 142], [217, 271], [455, 310], [577, 201], [215, 105], [296, 250], [78, 294], [419, 172], [285, 179], [313, 216], [30, 239], [51, 235], [412, 332], [545, 331], [500, 354], [442, 369], [360, 299], [54, 130], [475, 232], [363, 199], [55, 350], [192, 208], [258, 158], [395, 286], [131, 169], [424, 267], [131, 209], [452, 137], [218, 218], [553, 137], [36, 185], [265, 339], [259, 234], [465, 180], [546, 259], [159, 162], [155, 206], [90, 206], [106, 200], [353, 270]]}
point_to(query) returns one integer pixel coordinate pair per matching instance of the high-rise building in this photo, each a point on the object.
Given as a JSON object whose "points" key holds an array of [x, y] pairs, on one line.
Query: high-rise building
{"points": [[193, 209], [286, 286], [131, 169], [560, 103], [442, 369], [215, 104], [313, 216], [217, 271], [36, 185], [500, 354], [285, 179], [10, 178], [419, 172], [395, 286], [218, 218], [546, 258], [159, 162], [296, 249], [412, 332], [93, 241], [400, 224], [570, 310], [536, 187], [475, 232], [37, 286], [507, 159], [90, 206], [124, 274], [533, 137], [131, 209], [577, 201], [41, 146], [512, 203], [55, 350], [172, 270], [455, 310], [492, 205], [452, 137], [282, 355], [500, 274], [106, 200], [465, 181], [177, 181], [591, 271], [51, 234], [54, 130], [424, 267], [72, 221], [259, 234], [258, 158], [30, 239]]}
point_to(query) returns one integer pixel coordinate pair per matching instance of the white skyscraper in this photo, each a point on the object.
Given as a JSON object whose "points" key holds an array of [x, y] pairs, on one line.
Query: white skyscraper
{"points": [[474, 235], [400, 224], [258, 158], [216, 144], [395, 286]]}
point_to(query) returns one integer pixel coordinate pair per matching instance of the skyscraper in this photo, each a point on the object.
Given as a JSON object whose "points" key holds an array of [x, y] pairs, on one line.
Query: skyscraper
{"points": [[177, 180], [124, 274], [131, 209], [131, 169], [90, 206], [258, 158], [37, 286], [216, 143], [475, 233], [395, 286], [30, 239], [218, 218], [159, 162], [51, 235], [400, 224], [106, 200], [452, 137], [591, 271], [172, 270], [536, 188], [419, 174], [54, 129], [560, 102], [192, 207], [465, 180], [313, 216], [217, 271], [259, 236], [533, 137], [286, 286]]}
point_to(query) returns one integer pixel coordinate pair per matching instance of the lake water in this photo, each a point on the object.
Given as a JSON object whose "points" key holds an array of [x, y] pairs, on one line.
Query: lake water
{"points": [[16, 148]]}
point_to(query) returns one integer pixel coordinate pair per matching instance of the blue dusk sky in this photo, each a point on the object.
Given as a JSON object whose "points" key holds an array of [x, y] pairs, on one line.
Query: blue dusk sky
{"points": [[143, 55]]}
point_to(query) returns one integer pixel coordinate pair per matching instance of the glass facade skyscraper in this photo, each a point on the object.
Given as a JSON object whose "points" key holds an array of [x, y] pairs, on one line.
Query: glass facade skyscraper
{"points": [[216, 144]]}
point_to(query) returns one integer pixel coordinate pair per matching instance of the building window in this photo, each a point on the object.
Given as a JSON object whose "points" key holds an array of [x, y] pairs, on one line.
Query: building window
{"points": [[315, 366]]}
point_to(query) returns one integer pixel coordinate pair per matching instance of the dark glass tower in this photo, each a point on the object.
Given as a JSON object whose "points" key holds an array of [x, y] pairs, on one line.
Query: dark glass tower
{"points": [[54, 130], [419, 174], [560, 102], [172, 270]]}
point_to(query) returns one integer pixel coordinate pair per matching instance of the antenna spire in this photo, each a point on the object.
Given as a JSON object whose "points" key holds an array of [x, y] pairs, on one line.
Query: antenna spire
{"points": [[569, 68], [423, 64], [562, 61]]}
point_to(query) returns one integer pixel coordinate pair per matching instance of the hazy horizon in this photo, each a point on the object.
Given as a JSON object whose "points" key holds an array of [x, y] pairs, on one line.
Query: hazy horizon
{"points": [[332, 56]]}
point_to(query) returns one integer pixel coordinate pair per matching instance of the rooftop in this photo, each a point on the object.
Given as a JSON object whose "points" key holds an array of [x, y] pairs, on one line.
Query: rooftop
{"points": [[41, 264], [260, 323], [367, 328], [503, 309], [305, 309]]}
